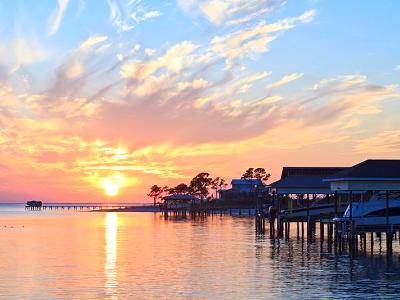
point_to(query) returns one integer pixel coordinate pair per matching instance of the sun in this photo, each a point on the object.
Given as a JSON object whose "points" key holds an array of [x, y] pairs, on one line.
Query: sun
{"points": [[110, 188], [112, 184]]}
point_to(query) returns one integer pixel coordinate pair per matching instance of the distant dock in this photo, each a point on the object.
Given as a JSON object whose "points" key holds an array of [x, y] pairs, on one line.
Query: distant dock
{"points": [[92, 207]]}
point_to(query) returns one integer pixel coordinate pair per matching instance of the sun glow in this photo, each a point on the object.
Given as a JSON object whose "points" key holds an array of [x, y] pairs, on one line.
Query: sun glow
{"points": [[112, 184]]}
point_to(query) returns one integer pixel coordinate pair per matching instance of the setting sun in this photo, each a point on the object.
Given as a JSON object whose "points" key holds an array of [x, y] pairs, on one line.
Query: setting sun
{"points": [[112, 185]]}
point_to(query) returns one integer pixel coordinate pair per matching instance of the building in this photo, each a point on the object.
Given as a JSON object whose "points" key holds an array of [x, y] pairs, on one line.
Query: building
{"points": [[243, 190], [369, 175], [179, 201], [303, 192], [304, 180]]}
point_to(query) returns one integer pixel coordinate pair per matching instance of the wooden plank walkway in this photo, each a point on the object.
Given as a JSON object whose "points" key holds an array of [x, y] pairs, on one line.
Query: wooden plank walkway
{"points": [[78, 207]]}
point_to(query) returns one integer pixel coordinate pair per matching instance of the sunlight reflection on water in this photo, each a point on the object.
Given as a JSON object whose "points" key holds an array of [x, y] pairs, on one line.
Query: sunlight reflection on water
{"points": [[110, 271]]}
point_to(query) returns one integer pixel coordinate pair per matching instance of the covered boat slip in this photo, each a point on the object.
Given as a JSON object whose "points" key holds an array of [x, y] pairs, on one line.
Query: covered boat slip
{"points": [[367, 193], [379, 182], [378, 210], [302, 193]]}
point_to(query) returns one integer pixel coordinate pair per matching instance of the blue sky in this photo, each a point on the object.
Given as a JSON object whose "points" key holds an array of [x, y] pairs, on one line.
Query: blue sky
{"points": [[344, 37]]}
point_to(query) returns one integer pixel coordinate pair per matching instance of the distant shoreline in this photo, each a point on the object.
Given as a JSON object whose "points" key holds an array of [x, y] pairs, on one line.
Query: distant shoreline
{"points": [[130, 209], [151, 208]]}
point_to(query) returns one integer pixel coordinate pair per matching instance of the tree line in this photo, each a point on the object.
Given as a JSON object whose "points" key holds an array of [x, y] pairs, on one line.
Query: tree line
{"points": [[203, 184]]}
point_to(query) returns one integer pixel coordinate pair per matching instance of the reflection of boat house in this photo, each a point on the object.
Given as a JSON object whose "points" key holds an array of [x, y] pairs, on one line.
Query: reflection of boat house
{"points": [[303, 188], [243, 190]]}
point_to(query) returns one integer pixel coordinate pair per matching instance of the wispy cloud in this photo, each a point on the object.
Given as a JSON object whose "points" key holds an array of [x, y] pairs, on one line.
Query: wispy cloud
{"points": [[57, 16], [255, 39], [91, 41], [126, 15], [387, 141], [23, 51], [285, 80], [227, 13]]}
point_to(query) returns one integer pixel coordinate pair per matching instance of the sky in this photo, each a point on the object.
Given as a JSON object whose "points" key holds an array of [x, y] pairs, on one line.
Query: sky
{"points": [[100, 99]]}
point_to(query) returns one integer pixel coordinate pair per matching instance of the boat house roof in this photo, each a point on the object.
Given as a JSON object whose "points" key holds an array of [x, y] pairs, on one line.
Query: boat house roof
{"points": [[371, 174], [304, 180], [247, 182], [179, 197], [310, 171]]}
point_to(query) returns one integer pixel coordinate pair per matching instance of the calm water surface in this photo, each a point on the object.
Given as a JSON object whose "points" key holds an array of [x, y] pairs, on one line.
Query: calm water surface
{"points": [[85, 255]]}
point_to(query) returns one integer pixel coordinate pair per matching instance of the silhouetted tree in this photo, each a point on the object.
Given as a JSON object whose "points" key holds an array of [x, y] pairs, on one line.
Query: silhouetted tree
{"points": [[200, 183], [218, 183], [156, 192], [249, 174], [181, 188], [256, 173]]}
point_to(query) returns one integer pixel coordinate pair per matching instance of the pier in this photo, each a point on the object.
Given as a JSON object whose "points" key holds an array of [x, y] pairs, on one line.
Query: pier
{"points": [[371, 190], [90, 207], [312, 201]]}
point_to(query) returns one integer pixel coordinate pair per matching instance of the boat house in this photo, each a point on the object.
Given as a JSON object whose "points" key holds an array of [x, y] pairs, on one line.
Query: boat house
{"points": [[179, 201], [304, 187], [369, 175], [243, 190], [378, 208]]}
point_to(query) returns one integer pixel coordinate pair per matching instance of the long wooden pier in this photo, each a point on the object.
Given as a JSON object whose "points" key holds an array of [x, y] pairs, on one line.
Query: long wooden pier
{"points": [[78, 207]]}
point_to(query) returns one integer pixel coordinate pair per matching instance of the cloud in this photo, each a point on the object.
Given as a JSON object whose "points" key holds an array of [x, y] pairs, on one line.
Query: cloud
{"points": [[256, 39], [151, 14], [22, 51], [243, 85], [162, 135], [195, 84], [91, 41], [337, 99], [57, 16], [285, 80], [174, 60], [231, 12], [387, 141], [397, 68], [125, 16]]}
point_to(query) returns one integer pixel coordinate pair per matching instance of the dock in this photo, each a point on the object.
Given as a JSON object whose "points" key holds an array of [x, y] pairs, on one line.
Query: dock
{"points": [[83, 207]]}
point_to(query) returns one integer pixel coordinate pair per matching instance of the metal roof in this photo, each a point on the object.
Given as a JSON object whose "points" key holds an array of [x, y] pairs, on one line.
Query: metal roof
{"points": [[179, 197], [371, 169], [301, 181], [305, 180], [310, 171], [246, 181]]}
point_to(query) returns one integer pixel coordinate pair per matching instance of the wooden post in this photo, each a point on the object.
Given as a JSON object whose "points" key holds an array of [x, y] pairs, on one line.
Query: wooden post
{"points": [[336, 204], [351, 213], [308, 217], [321, 230], [365, 242], [372, 243], [388, 233]]}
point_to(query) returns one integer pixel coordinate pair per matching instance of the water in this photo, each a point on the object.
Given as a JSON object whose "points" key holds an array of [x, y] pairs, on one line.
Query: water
{"points": [[86, 255]]}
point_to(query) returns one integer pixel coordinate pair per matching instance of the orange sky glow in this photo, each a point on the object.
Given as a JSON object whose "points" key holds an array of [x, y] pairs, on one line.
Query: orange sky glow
{"points": [[99, 109]]}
